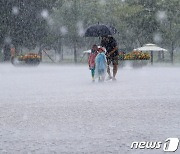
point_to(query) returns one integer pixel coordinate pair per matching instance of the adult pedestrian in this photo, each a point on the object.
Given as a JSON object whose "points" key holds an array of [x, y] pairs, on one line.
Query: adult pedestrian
{"points": [[112, 55]]}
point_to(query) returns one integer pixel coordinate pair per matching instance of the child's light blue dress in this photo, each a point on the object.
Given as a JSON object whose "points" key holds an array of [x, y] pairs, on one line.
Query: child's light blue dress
{"points": [[101, 65]]}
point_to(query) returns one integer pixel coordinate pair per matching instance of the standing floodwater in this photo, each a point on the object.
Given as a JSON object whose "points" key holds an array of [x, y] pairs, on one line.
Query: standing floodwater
{"points": [[56, 109]]}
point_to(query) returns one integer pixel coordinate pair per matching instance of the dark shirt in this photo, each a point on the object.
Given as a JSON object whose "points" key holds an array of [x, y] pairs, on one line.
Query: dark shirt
{"points": [[110, 45]]}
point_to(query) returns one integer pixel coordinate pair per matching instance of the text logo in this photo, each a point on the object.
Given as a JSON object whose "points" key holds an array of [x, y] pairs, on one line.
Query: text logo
{"points": [[170, 145]]}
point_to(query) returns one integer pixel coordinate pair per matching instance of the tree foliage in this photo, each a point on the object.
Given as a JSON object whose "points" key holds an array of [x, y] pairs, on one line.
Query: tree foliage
{"points": [[137, 21], [22, 21]]}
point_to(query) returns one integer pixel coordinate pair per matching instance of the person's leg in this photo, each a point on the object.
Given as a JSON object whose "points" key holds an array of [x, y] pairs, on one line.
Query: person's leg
{"points": [[92, 73], [115, 67], [103, 75], [108, 68], [99, 75]]}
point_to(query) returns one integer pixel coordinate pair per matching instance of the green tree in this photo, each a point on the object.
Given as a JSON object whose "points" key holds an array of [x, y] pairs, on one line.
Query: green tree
{"points": [[24, 22], [170, 24]]}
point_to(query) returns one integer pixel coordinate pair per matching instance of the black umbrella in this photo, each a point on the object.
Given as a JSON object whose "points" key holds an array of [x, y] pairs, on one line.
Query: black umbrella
{"points": [[99, 30]]}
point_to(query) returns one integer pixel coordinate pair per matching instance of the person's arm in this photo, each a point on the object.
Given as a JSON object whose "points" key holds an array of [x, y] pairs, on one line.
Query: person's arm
{"points": [[113, 44], [89, 59], [116, 48], [110, 53], [105, 59], [102, 44]]}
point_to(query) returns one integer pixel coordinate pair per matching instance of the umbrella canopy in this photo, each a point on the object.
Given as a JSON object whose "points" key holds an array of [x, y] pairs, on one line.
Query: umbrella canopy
{"points": [[99, 30], [150, 47]]}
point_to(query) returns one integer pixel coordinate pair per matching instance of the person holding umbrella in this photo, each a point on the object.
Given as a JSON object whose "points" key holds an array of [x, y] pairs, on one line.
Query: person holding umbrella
{"points": [[106, 32], [112, 55]]}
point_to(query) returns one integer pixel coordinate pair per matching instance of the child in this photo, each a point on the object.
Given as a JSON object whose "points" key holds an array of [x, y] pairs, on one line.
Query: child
{"points": [[91, 60], [101, 64]]}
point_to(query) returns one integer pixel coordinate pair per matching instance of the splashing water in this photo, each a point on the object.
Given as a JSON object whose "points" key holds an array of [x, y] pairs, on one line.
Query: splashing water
{"points": [[157, 38], [161, 15], [45, 14], [50, 21], [15, 10], [63, 30], [102, 2], [7, 40], [80, 28]]}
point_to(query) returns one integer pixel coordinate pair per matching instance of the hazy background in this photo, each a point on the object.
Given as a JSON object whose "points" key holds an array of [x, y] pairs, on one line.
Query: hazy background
{"points": [[59, 25], [55, 108]]}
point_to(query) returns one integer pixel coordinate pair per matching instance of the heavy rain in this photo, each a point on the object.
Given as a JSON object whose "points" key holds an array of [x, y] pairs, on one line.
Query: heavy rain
{"points": [[89, 76]]}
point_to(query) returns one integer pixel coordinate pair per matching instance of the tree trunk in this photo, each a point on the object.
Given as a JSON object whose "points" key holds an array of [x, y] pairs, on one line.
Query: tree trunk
{"points": [[172, 46], [59, 49], [163, 55], [159, 56], [75, 52], [75, 34], [172, 52], [7, 52], [62, 52], [151, 57]]}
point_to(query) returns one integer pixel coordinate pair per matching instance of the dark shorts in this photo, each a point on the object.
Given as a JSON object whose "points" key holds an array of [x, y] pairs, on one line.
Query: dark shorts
{"points": [[113, 60]]}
